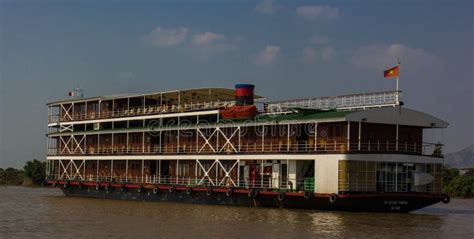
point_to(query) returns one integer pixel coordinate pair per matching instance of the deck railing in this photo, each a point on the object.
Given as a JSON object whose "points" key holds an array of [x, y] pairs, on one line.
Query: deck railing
{"points": [[139, 111], [356, 101], [427, 149], [260, 182]]}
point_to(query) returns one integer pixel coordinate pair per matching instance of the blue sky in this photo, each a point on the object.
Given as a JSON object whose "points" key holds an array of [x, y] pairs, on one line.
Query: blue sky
{"points": [[288, 49]]}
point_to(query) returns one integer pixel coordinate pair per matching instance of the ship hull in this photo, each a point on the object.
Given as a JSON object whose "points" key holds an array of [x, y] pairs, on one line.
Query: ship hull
{"points": [[377, 202]]}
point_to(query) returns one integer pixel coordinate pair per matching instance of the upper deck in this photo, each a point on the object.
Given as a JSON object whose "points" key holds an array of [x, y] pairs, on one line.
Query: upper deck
{"points": [[189, 122], [105, 107]]}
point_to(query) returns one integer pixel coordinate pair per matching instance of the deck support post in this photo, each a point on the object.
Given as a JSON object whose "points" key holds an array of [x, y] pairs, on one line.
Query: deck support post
{"points": [[348, 136], [177, 171], [240, 145], [126, 147], [97, 173], [197, 140], [111, 170], [159, 171], [316, 136], [358, 137], [161, 139], [143, 141], [126, 170], [217, 171], [238, 173], [98, 143], [195, 171], [217, 138], [112, 141], [288, 138], [396, 138], [143, 166]]}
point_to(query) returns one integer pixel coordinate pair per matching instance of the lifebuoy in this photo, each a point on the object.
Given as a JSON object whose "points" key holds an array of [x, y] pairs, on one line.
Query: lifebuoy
{"points": [[209, 191], [171, 189], [446, 199], [281, 196], [229, 192], [189, 191], [333, 198], [308, 194], [155, 190], [252, 193], [97, 187]]}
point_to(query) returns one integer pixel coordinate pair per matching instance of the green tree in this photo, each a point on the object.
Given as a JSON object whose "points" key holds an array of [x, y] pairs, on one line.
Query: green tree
{"points": [[36, 171], [461, 186], [11, 176], [449, 174]]}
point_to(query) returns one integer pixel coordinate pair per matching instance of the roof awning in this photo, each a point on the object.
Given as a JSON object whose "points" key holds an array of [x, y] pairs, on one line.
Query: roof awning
{"points": [[397, 115], [184, 96]]}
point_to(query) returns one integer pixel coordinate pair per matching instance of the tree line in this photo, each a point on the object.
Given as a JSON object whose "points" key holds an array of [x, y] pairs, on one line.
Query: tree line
{"points": [[457, 185], [34, 172]]}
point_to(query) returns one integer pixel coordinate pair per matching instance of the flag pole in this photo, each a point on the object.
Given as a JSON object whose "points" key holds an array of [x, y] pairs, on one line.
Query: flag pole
{"points": [[397, 87]]}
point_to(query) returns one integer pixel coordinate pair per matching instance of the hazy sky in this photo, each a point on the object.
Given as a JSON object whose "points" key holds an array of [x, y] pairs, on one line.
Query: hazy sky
{"points": [[287, 48]]}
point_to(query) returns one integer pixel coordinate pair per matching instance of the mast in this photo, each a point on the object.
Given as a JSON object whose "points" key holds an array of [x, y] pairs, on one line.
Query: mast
{"points": [[397, 94]]}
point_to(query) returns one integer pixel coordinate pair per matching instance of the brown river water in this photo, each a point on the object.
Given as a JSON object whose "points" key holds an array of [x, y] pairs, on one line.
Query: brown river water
{"points": [[46, 213]]}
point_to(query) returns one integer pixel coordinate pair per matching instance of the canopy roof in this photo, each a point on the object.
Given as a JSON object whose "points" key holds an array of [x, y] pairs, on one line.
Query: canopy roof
{"points": [[182, 96], [397, 115], [383, 115]]}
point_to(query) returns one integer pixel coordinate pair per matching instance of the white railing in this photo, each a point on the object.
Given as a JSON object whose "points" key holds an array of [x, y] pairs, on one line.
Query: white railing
{"points": [[356, 101], [142, 110], [374, 146], [260, 182]]}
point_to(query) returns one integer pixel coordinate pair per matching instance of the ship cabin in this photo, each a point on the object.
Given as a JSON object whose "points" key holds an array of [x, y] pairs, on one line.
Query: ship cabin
{"points": [[219, 137]]}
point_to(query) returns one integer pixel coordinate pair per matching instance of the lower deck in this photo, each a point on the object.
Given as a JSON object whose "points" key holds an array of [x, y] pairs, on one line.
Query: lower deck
{"points": [[327, 174]]}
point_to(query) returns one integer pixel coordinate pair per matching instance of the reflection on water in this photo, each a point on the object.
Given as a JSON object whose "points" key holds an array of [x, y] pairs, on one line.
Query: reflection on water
{"points": [[26, 212]]}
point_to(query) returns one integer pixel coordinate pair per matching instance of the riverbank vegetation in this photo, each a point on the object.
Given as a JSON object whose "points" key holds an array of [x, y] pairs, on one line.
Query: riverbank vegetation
{"points": [[33, 173], [457, 185]]}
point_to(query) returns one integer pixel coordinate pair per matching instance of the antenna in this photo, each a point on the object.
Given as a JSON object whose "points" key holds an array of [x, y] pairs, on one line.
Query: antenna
{"points": [[76, 93]]}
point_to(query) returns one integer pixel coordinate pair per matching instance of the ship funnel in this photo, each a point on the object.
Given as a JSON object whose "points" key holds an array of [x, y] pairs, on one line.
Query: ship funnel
{"points": [[244, 94]]}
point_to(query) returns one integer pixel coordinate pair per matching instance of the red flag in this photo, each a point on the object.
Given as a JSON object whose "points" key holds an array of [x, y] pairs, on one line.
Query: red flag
{"points": [[392, 72]]}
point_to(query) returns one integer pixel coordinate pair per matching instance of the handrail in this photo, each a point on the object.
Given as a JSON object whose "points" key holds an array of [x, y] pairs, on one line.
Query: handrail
{"points": [[252, 148], [365, 100], [260, 181], [138, 111]]}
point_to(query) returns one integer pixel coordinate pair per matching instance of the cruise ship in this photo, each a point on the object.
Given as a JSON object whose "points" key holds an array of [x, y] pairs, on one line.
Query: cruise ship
{"points": [[230, 146]]}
